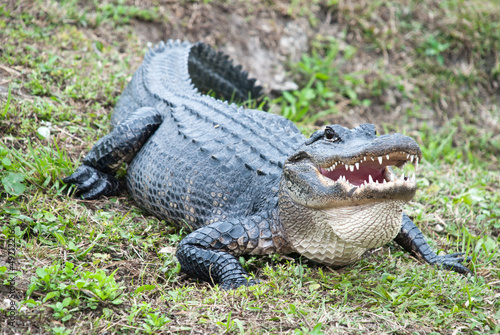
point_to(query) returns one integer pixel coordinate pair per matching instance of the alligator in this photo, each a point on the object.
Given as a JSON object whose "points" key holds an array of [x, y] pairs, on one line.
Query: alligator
{"points": [[246, 181]]}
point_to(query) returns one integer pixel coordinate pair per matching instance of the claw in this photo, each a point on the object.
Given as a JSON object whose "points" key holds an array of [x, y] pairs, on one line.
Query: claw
{"points": [[237, 283], [92, 183], [102, 187], [82, 173], [89, 183], [453, 262]]}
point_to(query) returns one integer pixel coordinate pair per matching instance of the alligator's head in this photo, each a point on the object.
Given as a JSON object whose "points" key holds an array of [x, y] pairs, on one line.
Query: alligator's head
{"points": [[341, 182]]}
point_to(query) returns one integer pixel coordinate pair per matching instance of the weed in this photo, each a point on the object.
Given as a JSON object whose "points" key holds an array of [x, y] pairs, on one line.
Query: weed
{"points": [[325, 84], [431, 47], [74, 287]]}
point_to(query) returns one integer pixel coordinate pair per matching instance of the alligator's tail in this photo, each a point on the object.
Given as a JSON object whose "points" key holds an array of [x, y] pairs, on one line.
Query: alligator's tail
{"points": [[212, 71], [175, 70]]}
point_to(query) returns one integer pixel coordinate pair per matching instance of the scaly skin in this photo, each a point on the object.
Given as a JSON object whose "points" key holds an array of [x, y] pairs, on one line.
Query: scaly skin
{"points": [[247, 181]]}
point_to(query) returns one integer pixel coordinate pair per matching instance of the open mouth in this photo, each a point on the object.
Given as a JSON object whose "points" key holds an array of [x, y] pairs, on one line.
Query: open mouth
{"points": [[371, 169]]}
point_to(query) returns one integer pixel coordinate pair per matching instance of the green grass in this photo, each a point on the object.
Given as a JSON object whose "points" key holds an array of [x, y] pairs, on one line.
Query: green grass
{"points": [[106, 266]]}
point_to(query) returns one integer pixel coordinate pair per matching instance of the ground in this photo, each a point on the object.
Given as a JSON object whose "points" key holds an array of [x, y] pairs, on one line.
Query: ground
{"points": [[429, 69]]}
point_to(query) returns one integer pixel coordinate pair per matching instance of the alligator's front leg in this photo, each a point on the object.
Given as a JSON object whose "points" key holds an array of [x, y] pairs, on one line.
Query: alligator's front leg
{"points": [[96, 176], [209, 253], [413, 241]]}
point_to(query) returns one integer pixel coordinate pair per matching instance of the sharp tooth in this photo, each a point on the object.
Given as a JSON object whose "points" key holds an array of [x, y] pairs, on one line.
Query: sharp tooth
{"points": [[413, 176], [347, 167], [351, 167], [403, 176], [380, 159], [364, 158], [416, 163], [370, 179], [387, 156], [357, 166], [385, 182], [372, 158], [376, 181], [407, 155], [411, 158]]}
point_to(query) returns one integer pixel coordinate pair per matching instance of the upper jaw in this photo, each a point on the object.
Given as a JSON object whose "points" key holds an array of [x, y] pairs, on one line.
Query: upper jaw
{"points": [[397, 158]]}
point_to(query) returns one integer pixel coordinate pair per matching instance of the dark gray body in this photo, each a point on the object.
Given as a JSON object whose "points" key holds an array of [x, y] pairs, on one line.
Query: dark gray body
{"points": [[208, 160], [216, 169]]}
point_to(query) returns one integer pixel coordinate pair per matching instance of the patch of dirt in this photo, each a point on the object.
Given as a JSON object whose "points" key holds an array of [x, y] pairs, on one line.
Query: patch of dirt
{"points": [[261, 41]]}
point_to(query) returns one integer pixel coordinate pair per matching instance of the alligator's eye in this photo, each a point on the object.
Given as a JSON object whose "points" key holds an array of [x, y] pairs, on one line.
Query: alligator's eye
{"points": [[331, 135]]}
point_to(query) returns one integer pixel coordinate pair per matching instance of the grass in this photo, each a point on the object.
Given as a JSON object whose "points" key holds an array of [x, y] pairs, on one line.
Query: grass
{"points": [[427, 69]]}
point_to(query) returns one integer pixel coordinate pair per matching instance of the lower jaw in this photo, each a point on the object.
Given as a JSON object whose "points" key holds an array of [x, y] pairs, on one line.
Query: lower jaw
{"points": [[339, 236], [372, 191]]}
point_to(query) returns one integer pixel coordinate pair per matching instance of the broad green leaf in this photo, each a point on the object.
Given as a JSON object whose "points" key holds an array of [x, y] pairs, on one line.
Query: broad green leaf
{"points": [[41, 272], [145, 288], [13, 183], [6, 162], [51, 295]]}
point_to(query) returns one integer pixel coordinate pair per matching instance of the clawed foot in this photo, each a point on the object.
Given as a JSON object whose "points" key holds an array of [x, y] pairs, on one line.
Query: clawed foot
{"points": [[237, 283], [452, 262], [92, 183]]}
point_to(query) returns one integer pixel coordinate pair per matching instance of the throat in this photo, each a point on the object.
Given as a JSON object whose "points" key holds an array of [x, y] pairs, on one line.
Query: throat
{"points": [[368, 225], [339, 236]]}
